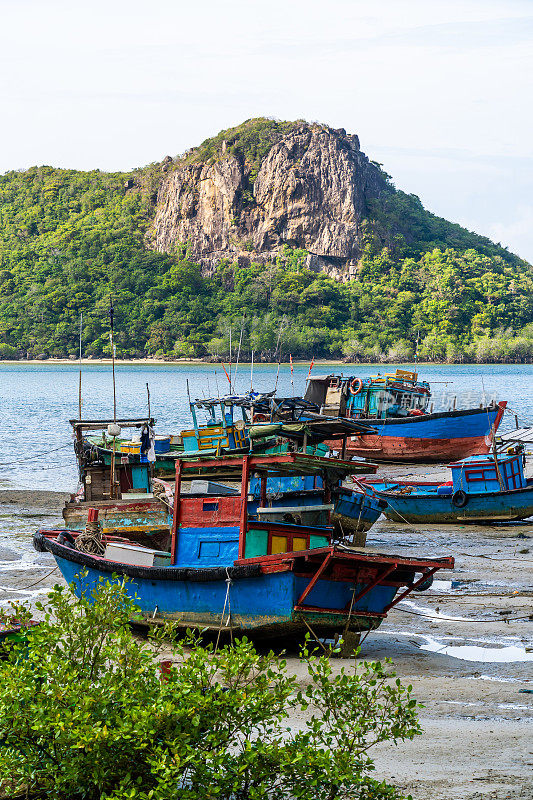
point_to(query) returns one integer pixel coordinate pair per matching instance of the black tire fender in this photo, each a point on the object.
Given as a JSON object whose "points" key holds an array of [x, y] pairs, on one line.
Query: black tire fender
{"points": [[459, 499], [66, 538]]}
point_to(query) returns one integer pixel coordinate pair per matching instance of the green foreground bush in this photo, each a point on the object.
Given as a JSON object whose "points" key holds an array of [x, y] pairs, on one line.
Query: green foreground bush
{"points": [[85, 714]]}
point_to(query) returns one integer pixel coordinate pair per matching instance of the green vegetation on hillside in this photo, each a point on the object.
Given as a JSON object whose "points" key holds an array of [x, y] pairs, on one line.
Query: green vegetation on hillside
{"points": [[70, 239]]}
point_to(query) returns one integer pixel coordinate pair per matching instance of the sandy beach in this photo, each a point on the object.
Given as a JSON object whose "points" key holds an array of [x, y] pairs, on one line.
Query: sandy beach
{"points": [[465, 646]]}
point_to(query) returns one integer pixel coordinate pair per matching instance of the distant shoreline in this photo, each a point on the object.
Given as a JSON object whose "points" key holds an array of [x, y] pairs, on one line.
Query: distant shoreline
{"points": [[146, 362]]}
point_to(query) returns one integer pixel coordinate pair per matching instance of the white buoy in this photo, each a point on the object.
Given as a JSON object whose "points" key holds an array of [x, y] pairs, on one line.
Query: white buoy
{"points": [[113, 429]]}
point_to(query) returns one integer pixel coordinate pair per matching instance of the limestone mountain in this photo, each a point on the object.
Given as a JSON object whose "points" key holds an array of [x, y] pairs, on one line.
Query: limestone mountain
{"points": [[251, 190], [268, 226]]}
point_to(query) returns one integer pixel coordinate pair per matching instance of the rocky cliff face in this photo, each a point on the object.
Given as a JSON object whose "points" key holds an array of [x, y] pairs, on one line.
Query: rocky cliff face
{"points": [[310, 191]]}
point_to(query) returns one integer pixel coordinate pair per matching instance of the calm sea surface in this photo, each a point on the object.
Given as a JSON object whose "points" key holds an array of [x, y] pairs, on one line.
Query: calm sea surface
{"points": [[36, 402]]}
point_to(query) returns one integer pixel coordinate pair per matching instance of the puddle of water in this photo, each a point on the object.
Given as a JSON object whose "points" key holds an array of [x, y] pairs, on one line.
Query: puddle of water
{"points": [[498, 680], [506, 706], [495, 655], [441, 586], [431, 612]]}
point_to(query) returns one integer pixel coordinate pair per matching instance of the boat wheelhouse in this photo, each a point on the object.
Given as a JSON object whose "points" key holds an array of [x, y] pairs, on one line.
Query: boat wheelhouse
{"points": [[397, 394], [400, 425]]}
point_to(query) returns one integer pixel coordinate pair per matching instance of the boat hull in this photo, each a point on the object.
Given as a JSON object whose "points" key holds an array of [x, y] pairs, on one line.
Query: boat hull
{"points": [[487, 507], [260, 603], [354, 514], [446, 436], [271, 595]]}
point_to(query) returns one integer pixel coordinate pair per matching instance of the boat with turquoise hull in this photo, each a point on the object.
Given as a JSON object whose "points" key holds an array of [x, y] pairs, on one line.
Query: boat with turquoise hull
{"points": [[483, 489], [234, 570]]}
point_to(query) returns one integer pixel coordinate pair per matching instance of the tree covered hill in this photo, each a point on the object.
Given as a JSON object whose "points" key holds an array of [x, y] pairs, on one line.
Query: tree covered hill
{"points": [[71, 239]]}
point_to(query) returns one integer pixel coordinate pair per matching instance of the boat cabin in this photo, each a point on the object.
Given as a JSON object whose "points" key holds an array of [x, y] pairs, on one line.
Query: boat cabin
{"points": [[129, 476], [225, 425], [397, 394], [484, 474], [213, 530]]}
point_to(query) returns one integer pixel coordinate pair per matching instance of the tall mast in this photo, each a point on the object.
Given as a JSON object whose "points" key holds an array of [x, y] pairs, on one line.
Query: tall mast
{"points": [[113, 487], [79, 388], [111, 319]]}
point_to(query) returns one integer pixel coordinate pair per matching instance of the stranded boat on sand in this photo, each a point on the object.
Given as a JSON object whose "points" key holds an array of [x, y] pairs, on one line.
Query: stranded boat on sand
{"points": [[402, 425], [482, 489], [230, 569]]}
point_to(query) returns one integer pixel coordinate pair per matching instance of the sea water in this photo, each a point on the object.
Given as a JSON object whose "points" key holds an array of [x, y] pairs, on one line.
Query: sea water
{"points": [[37, 401]]}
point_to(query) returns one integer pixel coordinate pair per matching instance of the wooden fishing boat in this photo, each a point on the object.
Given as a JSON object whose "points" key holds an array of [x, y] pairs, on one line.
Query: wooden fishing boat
{"points": [[14, 631], [143, 515], [483, 489], [401, 426], [227, 568]]}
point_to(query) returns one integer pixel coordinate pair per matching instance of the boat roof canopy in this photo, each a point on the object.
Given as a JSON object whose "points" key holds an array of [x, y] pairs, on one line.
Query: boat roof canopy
{"points": [[284, 464], [315, 430], [100, 424], [241, 400]]}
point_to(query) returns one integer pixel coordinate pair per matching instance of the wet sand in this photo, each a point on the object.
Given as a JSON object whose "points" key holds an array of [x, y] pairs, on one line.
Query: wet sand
{"points": [[477, 722]]}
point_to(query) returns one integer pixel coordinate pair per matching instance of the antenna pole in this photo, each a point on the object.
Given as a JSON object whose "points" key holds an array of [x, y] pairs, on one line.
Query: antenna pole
{"points": [[113, 465], [252, 373], [278, 350], [229, 359], [238, 352], [111, 317], [148, 394]]}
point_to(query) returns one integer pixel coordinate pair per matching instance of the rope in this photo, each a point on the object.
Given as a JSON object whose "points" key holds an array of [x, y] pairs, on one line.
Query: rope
{"points": [[91, 540], [469, 619], [226, 603], [29, 586], [159, 492]]}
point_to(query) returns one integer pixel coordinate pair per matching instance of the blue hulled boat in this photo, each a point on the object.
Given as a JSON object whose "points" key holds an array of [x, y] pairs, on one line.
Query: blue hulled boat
{"points": [[400, 422], [482, 489], [228, 567]]}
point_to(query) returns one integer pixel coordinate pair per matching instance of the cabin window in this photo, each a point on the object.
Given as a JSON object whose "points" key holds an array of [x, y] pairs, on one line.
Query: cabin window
{"points": [[210, 505], [514, 476], [209, 550], [299, 543], [278, 544], [473, 475]]}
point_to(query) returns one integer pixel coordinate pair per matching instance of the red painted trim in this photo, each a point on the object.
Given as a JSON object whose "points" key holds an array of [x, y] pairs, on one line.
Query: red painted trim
{"points": [[244, 504], [176, 514], [314, 579], [446, 562], [410, 589]]}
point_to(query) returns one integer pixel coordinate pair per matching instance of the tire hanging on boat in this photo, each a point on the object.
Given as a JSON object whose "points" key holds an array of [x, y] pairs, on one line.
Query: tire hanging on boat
{"points": [[459, 499]]}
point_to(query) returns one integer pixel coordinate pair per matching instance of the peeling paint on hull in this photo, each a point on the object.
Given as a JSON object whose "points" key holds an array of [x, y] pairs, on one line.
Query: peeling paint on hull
{"points": [[264, 604], [446, 436]]}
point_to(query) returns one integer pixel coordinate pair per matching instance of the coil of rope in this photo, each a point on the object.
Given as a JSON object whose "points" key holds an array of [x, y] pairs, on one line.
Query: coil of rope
{"points": [[91, 540]]}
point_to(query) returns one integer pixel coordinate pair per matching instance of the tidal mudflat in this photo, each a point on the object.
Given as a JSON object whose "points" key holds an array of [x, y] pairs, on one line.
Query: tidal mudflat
{"points": [[465, 645]]}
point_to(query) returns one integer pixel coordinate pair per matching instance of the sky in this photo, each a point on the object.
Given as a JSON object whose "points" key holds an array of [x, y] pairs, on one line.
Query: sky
{"points": [[439, 92]]}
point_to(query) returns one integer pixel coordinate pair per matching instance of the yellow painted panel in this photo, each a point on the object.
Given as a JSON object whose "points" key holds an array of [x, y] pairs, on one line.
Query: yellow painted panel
{"points": [[279, 544], [299, 543]]}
